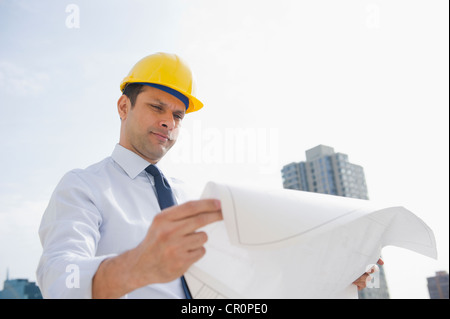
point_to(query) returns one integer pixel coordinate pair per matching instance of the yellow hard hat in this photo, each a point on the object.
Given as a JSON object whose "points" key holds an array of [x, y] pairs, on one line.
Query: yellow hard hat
{"points": [[167, 70]]}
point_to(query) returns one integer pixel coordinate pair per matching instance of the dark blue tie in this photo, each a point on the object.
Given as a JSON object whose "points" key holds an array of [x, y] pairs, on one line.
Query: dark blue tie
{"points": [[165, 199]]}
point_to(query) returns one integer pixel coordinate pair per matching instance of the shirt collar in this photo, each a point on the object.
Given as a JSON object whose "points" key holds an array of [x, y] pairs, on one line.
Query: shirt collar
{"points": [[130, 162]]}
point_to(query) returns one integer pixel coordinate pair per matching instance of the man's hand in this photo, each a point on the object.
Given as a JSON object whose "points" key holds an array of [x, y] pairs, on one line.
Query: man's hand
{"points": [[361, 282], [171, 246], [173, 243]]}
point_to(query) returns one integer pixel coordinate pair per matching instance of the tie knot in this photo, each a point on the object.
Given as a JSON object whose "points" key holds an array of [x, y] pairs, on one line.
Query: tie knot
{"points": [[153, 170]]}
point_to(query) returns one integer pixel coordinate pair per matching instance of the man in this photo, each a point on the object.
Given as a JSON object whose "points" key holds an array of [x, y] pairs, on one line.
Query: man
{"points": [[103, 233]]}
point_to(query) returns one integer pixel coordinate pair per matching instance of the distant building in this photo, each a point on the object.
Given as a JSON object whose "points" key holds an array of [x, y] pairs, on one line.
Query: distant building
{"points": [[327, 172], [19, 289], [438, 285]]}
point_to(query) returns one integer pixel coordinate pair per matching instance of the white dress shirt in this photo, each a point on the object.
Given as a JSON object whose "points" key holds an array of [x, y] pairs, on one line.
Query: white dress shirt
{"points": [[96, 213]]}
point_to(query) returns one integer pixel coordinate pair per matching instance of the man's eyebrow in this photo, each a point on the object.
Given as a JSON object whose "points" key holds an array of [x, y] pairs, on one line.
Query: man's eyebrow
{"points": [[158, 101]]}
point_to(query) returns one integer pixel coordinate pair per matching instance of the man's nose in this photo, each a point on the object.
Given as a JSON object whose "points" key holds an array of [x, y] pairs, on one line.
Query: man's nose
{"points": [[168, 121]]}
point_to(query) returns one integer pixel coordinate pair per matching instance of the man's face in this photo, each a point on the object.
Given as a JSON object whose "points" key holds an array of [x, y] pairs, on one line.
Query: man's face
{"points": [[152, 126]]}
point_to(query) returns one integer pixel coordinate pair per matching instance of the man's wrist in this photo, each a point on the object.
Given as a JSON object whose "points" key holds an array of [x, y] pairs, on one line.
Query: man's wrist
{"points": [[115, 277]]}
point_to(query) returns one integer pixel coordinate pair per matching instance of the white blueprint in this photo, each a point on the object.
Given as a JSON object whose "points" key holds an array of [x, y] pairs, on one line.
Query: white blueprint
{"points": [[292, 244]]}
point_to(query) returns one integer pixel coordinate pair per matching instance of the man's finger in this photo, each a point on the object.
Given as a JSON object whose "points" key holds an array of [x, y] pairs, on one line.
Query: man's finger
{"points": [[192, 208], [196, 254], [201, 220], [361, 281], [195, 240], [372, 269]]}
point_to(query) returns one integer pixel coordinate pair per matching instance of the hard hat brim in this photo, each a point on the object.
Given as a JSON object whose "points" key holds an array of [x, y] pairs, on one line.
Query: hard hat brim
{"points": [[194, 103]]}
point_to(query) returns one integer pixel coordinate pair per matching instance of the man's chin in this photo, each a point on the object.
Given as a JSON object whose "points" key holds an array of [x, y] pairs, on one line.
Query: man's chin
{"points": [[157, 155]]}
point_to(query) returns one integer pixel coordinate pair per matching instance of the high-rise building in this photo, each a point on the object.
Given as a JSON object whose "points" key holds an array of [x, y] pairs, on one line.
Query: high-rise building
{"points": [[327, 172], [19, 289], [438, 285]]}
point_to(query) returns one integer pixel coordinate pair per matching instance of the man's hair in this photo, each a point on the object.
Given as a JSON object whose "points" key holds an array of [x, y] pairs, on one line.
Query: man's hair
{"points": [[132, 90]]}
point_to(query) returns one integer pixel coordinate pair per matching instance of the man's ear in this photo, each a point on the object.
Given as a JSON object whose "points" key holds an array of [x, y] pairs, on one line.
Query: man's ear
{"points": [[123, 106]]}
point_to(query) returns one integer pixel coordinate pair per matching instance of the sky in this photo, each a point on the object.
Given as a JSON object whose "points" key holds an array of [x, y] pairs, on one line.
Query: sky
{"points": [[368, 78]]}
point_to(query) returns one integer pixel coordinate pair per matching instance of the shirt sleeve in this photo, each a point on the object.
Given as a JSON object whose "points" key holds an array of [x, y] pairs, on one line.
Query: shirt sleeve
{"points": [[69, 234]]}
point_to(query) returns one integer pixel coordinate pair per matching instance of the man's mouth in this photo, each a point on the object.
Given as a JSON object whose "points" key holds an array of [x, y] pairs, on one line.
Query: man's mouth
{"points": [[162, 136]]}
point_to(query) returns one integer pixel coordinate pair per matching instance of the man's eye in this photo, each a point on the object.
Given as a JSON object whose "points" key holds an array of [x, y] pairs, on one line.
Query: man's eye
{"points": [[156, 107]]}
